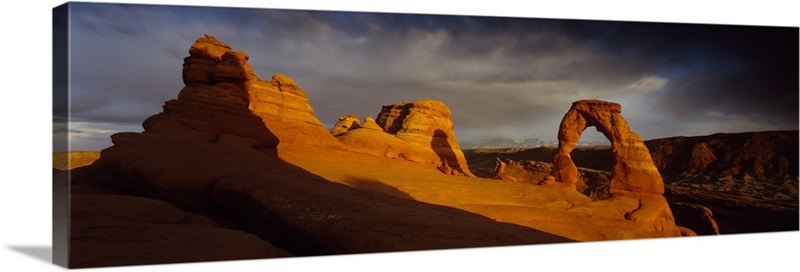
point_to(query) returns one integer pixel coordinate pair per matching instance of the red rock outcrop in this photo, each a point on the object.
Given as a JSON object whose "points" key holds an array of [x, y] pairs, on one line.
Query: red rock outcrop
{"points": [[224, 111], [421, 131], [426, 125]]}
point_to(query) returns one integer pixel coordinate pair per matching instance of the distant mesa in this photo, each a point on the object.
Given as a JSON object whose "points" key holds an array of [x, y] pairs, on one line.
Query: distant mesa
{"points": [[754, 156], [420, 131]]}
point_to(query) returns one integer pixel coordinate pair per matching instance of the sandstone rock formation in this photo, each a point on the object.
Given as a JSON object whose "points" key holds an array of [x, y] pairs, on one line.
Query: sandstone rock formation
{"points": [[426, 124], [346, 123], [633, 174], [421, 131], [215, 75]]}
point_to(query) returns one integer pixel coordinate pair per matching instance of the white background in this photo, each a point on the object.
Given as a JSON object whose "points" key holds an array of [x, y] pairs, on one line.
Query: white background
{"points": [[25, 92]]}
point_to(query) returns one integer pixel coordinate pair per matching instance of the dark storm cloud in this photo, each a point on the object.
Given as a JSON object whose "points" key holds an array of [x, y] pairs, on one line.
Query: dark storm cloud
{"points": [[741, 70], [750, 71], [499, 76]]}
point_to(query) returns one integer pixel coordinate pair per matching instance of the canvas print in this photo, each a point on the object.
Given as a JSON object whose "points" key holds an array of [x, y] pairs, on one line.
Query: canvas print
{"points": [[192, 134]]}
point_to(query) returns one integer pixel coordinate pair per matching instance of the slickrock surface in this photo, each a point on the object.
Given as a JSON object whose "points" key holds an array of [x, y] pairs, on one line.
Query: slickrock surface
{"points": [[562, 212]]}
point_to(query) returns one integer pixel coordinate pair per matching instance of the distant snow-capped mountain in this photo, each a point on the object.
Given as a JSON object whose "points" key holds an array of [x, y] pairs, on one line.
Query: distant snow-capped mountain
{"points": [[496, 143], [506, 143]]}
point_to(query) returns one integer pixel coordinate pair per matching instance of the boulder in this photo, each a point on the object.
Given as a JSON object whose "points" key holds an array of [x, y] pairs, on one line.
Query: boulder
{"points": [[369, 123], [696, 217], [345, 123]]}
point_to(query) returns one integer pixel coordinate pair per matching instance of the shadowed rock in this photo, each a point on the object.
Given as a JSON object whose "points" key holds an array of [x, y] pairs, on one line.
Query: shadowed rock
{"points": [[320, 217], [696, 217], [116, 230]]}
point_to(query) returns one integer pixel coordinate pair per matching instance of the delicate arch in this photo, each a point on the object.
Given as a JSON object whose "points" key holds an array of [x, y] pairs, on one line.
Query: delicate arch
{"points": [[633, 171]]}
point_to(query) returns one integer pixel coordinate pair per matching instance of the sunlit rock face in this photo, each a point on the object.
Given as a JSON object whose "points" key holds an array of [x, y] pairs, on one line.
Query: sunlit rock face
{"points": [[428, 124], [281, 104], [421, 131]]}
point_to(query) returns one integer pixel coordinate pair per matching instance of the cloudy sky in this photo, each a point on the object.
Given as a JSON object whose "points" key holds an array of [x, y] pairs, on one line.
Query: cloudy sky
{"points": [[501, 77]]}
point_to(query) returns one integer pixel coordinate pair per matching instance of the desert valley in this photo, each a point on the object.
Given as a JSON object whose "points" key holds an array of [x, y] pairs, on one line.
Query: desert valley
{"points": [[239, 167]]}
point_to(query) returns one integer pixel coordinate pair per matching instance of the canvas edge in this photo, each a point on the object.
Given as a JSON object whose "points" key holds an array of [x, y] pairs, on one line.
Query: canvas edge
{"points": [[60, 35]]}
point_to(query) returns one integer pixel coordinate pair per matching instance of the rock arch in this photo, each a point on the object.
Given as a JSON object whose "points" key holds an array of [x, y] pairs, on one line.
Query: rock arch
{"points": [[633, 172]]}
